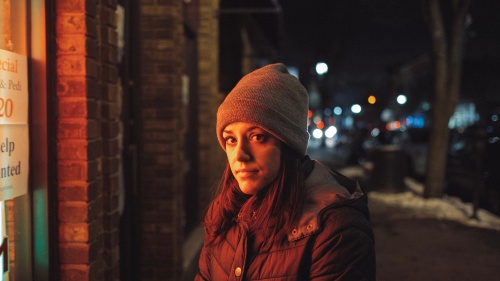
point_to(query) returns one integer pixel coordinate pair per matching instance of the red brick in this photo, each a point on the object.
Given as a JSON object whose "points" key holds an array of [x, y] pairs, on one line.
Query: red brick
{"points": [[72, 107], [72, 149], [74, 253], [72, 170], [72, 87], [86, 60], [71, 23], [74, 191], [71, 45], [73, 6], [74, 272], [73, 212], [71, 65], [73, 232], [72, 128]]}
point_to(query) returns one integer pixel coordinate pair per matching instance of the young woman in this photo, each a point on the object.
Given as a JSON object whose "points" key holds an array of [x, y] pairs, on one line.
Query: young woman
{"points": [[280, 215]]}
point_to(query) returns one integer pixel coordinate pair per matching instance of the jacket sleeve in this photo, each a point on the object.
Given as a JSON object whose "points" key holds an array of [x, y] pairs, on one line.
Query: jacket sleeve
{"points": [[344, 249]]}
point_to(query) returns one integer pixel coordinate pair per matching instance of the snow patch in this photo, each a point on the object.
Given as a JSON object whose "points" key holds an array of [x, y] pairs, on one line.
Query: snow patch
{"points": [[411, 204]]}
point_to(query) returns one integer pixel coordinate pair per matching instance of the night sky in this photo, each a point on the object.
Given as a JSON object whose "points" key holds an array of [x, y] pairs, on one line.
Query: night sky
{"points": [[362, 39]]}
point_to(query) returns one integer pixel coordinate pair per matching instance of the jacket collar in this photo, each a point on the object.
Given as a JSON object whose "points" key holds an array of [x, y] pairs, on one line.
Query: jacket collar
{"points": [[325, 188]]}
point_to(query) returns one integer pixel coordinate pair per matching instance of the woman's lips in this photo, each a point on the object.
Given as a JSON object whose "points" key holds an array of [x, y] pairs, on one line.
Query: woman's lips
{"points": [[245, 173]]}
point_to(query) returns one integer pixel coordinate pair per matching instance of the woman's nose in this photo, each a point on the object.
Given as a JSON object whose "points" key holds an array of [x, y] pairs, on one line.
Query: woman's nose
{"points": [[242, 152]]}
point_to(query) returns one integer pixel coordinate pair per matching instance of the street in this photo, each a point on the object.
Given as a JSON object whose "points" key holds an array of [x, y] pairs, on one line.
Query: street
{"points": [[425, 239]]}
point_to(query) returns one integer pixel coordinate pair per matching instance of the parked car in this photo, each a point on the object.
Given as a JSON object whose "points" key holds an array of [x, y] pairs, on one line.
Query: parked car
{"points": [[473, 163]]}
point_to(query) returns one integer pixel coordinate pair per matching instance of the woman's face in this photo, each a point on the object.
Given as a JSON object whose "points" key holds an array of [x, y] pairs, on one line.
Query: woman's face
{"points": [[254, 155]]}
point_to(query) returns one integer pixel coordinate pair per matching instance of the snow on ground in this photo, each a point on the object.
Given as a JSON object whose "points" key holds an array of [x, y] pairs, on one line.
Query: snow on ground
{"points": [[411, 204]]}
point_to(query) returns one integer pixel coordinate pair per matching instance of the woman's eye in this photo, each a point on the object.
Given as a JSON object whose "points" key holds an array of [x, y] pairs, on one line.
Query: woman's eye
{"points": [[259, 137], [229, 140]]}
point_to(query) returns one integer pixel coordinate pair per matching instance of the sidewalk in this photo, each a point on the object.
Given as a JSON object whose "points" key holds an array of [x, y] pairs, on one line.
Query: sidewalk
{"points": [[431, 239]]}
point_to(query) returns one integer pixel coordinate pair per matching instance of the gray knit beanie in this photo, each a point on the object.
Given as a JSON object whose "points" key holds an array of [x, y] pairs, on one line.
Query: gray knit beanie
{"points": [[271, 98]]}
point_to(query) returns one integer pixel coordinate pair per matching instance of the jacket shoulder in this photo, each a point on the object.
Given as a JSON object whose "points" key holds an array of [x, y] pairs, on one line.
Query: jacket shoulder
{"points": [[344, 246], [338, 219]]}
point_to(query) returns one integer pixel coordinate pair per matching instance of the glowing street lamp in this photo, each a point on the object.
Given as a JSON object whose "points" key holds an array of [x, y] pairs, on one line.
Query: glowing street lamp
{"points": [[356, 108], [401, 99], [321, 68], [337, 110], [372, 99]]}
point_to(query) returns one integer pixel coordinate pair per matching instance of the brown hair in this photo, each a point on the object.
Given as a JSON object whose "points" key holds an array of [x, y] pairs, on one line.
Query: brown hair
{"points": [[275, 209]]}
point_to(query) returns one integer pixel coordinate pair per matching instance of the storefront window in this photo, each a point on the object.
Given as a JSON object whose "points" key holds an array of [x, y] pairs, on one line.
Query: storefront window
{"points": [[15, 207]]}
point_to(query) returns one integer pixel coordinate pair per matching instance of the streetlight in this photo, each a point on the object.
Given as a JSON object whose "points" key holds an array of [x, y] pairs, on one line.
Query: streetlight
{"points": [[372, 99], [356, 108], [321, 68], [337, 110], [401, 99]]}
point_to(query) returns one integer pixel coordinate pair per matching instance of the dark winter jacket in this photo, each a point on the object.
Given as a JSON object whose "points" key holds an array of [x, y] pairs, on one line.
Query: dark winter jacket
{"points": [[334, 240]]}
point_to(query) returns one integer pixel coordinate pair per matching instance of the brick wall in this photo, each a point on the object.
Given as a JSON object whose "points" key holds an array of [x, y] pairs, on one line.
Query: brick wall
{"points": [[88, 135], [161, 153], [211, 156], [110, 108], [87, 139]]}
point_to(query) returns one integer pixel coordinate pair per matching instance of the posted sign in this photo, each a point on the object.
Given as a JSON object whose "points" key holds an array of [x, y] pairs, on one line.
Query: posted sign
{"points": [[14, 134]]}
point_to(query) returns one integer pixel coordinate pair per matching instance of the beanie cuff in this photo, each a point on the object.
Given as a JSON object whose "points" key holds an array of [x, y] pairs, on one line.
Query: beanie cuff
{"points": [[253, 112]]}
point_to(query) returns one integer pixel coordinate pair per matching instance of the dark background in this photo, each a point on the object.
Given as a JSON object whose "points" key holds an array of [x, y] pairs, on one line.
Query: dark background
{"points": [[363, 40]]}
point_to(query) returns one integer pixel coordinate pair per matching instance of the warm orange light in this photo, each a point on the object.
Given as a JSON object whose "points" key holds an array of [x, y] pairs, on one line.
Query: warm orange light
{"points": [[397, 125], [320, 125], [372, 99], [309, 113]]}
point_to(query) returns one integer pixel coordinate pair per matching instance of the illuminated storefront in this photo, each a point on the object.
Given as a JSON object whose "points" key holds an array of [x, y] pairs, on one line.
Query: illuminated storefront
{"points": [[90, 160], [23, 170], [14, 142]]}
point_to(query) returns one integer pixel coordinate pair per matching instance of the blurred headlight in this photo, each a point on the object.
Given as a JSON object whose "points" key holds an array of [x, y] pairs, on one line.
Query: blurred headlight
{"points": [[317, 133], [330, 132]]}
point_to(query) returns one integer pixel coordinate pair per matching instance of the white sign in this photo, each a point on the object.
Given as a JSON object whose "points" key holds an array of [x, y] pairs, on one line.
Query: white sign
{"points": [[14, 157], [13, 88], [14, 130]]}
